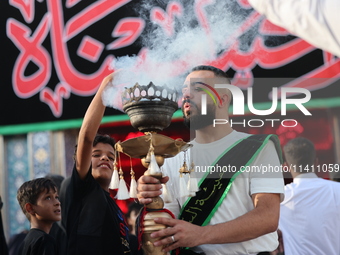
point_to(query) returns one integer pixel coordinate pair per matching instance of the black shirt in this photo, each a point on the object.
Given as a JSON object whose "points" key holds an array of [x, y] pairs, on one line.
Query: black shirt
{"points": [[94, 222], [38, 242]]}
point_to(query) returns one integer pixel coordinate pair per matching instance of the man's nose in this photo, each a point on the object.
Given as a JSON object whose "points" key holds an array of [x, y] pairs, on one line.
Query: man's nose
{"points": [[186, 93]]}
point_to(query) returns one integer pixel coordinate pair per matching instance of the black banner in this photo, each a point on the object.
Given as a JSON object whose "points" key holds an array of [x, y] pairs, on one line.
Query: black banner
{"points": [[55, 53]]}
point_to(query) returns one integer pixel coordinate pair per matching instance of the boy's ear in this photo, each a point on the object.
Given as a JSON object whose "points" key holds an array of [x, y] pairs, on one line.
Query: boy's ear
{"points": [[29, 208]]}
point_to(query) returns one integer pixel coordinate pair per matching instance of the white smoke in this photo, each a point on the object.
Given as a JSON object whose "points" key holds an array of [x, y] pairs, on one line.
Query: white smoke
{"points": [[201, 32]]}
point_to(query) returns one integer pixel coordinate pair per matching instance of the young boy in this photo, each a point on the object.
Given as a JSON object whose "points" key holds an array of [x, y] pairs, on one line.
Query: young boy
{"points": [[94, 222], [40, 203]]}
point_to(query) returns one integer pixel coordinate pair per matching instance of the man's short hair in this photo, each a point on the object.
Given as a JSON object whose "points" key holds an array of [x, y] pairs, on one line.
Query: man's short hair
{"points": [[30, 191], [300, 152], [218, 72]]}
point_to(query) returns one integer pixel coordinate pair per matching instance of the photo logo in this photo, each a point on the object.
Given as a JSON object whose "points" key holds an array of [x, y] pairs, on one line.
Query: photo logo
{"points": [[239, 104], [204, 97]]}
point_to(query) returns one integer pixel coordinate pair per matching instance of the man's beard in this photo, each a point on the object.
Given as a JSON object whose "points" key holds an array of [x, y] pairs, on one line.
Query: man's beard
{"points": [[199, 121]]}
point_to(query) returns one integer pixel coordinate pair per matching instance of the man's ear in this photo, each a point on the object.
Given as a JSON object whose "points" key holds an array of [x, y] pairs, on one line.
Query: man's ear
{"points": [[29, 208], [285, 165], [225, 100]]}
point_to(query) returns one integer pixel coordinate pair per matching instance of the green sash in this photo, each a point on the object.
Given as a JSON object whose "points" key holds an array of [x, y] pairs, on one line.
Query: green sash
{"points": [[214, 187]]}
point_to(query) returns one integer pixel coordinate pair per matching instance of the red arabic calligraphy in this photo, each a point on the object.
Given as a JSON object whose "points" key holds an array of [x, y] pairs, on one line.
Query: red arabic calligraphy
{"points": [[71, 80], [166, 19], [82, 84], [71, 3], [30, 50], [89, 15], [125, 33], [201, 15], [128, 29], [319, 78], [26, 8], [54, 100]]}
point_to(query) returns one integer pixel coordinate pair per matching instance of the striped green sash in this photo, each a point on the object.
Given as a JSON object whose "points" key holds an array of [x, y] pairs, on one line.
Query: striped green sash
{"points": [[214, 187]]}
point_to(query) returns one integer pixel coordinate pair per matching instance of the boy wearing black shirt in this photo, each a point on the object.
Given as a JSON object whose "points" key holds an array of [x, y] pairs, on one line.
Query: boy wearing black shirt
{"points": [[94, 223], [40, 203]]}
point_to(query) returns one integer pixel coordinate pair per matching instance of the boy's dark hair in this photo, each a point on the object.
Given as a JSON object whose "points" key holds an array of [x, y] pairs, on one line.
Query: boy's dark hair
{"points": [[106, 139], [56, 178], [29, 192], [134, 207]]}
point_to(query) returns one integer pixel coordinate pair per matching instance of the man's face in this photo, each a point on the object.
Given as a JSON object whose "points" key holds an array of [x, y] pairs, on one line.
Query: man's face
{"points": [[193, 90]]}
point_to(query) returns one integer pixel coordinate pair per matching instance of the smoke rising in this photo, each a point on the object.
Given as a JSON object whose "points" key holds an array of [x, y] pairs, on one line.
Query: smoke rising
{"points": [[179, 35]]}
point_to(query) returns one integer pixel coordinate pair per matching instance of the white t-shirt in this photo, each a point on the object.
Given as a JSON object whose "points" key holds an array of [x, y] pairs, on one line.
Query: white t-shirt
{"points": [[315, 21], [310, 216], [238, 200]]}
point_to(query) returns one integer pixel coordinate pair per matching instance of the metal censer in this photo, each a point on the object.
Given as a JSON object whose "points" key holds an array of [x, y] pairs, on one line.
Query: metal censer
{"points": [[150, 109]]}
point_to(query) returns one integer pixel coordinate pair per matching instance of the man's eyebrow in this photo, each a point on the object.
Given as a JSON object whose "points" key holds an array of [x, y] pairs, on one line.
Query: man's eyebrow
{"points": [[197, 82], [194, 83]]}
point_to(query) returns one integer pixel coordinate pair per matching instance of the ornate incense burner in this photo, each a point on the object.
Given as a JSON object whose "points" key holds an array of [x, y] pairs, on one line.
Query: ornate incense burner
{"points": [[150, 109]]}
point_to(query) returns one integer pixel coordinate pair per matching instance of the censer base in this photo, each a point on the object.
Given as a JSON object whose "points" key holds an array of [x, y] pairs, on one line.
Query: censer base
{"points": [[149, 227], [164, 146]]}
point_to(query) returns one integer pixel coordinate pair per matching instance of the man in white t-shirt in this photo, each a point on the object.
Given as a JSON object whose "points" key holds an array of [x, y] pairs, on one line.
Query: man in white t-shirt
{"points": [[309, 217], [246, 218], [316, 21]]}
